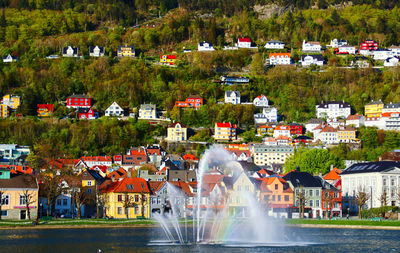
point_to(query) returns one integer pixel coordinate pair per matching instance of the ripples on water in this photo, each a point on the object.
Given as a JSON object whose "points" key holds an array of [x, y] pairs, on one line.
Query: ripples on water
{"points": [[142, 240]]}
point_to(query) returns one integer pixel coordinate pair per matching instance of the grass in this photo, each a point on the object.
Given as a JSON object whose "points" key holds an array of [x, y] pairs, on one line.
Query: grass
{"points": [[74, 222], [345, 222]]}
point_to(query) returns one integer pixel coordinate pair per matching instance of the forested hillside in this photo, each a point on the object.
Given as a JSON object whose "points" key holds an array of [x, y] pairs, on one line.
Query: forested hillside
{"points": [[32, 30]]}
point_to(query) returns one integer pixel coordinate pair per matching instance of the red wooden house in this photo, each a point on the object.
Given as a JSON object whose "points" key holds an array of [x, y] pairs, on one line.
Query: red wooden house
{"points": [[79, 101], [45, 110], [369, 45], [87, 113], [194, 101], [295, 129]]}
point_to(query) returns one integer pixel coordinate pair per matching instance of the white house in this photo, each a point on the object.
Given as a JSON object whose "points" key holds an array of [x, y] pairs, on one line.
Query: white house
{"points": [[392, 121], [313, 123], [378, 122], [335, 43], [232, 97], [269, 114], [381, 54], [70, 51], [279, 59], [333, 109], [243, 43], [205, 46], [356, 120], [347, 49], [261, 101], [148, 111], [96, 51], [391, 107], [307, 60], [10, 58], [274, 44], [281, 131], [391, 62], [395, 50], [114, 110], [327, 135], [311, 46], [374, 178]]}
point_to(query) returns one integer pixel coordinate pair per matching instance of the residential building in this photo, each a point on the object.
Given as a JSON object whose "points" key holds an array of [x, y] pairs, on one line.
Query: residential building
{"points": [[295, 129], [11, 101], [274, 44], [374, 109], [346, 49], [127, 198], [392, 120], [333, 109], [148, 111], [279, 59], [271, 154], [391, 62], [70, 52], [79, 101], [368, 45], [156, 154], [177, 132], [333, 177], [168, 59], [17, 191], [261, 101], [360, 62], [308, 60], [311, 46], [276, 195], [239, 155], [381, 54], [45, 110], [114, 110], [270, 141], [395, 50], [10, 58], [335, 43], [243, 43], [4, 111], [346, 135], [205, 46], [284, 140], [10, 152], [331, 199], [91, 161], [391, 107], [232, 97], [96, 51], [134, 159], [334, 122], [311, 189], [225, 131], [378, 122], [302, 139], [194, 101], [313, 123], [373, 178], [268, 114], [282, 130], [356, 120], [126, 51], [327, 135], [265, 130], [87, 113]]}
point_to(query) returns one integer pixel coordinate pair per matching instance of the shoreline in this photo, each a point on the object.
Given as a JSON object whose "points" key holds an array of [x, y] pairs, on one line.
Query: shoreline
{"points": [[156, 225]]}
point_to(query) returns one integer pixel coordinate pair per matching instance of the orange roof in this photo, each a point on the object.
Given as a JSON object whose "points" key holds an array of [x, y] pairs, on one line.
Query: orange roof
{"points": [[333, 174], [265, 126], [15, 169], [129, 185], [270, 139], [283, 128], [328, 129], [183, 186], [190, 157], [97, 158], [155, 185], [121, 172], [283, 137], [354, 117], [228, 124], [279, 55]]}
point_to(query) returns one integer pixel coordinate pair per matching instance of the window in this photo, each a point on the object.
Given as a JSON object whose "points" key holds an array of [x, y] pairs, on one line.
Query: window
{"points": [[119, 210], [136, 209], [4, 213], [136, 198], [266, 197], [317, 203], [279, 197], [247, 188], [89, 183], [276, 186], [311, 203], [316, 192], [238, 200], [65, 202], [286, 198], [58, 202], [311, 192], [22, 200], [239, 188], [89, 191], [119, 198], [273, 197], [5, 199]]}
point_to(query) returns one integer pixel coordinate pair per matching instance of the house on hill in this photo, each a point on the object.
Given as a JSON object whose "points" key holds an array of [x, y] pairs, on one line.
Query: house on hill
{"points": [[96, 51], [232, 97], [274, 44], [177, 132], [45, 110], [126, 51], [225, 131], [10, 58], [205, 46], [70, 51], [114, 110]]}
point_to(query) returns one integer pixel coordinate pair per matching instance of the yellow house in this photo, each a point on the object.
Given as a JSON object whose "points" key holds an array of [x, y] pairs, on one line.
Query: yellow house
{"points": [[168, 59], [127, 198], [374, 109], [346, 134], [126, 51], [45, 110], [16, 192], [4, 112], [177, 132], [11, 101], [225, 131], [265, 130]]}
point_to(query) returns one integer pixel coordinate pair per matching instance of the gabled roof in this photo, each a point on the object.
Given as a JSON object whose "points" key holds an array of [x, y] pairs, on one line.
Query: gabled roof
{"points": [[190, 157], [175, 123], [325, 104], [379, 102], [328, 129], [194, 96], [73, 48], [318, 57], [128, 185], [283, 138], [91, 49], [19, 182], [392, 105], [78, 96], [371, 167], [283, 127], [304, 179], [354, 117], [49, 107], [279, 55], [315, 121], [333, 174], [96, 158], [228, 93], [244, 40]]}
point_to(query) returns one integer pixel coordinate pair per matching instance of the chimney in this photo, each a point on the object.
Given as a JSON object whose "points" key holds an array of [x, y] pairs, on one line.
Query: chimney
{"points": [[113, 178], [331, 167], [129, 174]]}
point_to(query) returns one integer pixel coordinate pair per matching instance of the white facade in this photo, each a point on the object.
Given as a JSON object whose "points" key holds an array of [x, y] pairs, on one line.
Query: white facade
{"points": [[243, 43], [311, 46], [391, 62], [279, 59], [261, 101], [70, 52], [148, 111], [204, 46], [308, 60], [9, 58], [232, 97], [274, 44], [333, 110], [347, 49], [378, 122], [269, 155], [395, 50], [335, 43], [97, 52], [269, 114], [114, 110], [392, 122], [282, 131], [356, 122], [382, 54], [328, 135]]}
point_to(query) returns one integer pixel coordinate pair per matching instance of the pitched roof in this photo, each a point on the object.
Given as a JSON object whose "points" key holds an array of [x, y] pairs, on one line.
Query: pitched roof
{"points": [[328, 129], [304, 179], [96, 158], [283, 137], [333, 174], [354, 117], [19, 181], [341, 104], [49, 107], [315, 121], [91, 49], [228, 93], [379, 102], [175, 123], [318, 57], [190, 157], [244, 40], [128, 185], [371, 167], [78, 96], [279, 55]]}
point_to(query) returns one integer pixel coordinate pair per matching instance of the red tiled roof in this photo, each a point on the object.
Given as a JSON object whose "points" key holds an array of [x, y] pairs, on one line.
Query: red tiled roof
{"points": [[354, 117], [333, 174], [103, 168], [15, 169], [139, 185], [283, 127], [137, 152], [244, 40], [49, 107], [228, 124], [174, 124], [283, 137], [279, 55], [190, 157], [328, 129], [96, 158]]}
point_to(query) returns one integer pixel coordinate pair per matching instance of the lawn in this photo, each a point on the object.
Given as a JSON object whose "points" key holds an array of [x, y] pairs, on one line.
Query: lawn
{"points": [[69, 222], [365, 222]]}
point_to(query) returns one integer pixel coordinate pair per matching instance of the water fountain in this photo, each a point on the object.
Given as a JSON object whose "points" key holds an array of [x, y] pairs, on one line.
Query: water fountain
{"points": [[214, 221]]}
